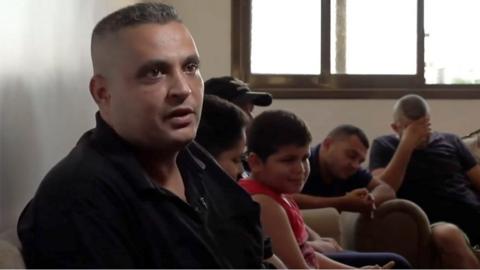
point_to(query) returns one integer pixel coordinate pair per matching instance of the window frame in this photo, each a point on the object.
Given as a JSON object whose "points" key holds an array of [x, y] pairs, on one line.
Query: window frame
{"points": [[328, 85]]}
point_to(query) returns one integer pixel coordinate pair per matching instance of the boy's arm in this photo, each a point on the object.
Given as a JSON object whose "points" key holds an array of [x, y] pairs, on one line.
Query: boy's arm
{"points": [[322, 244], [275, 261], [276, 225]]}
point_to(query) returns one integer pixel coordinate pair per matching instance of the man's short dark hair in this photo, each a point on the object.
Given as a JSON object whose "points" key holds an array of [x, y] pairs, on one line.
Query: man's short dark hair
{"points": [[410, 107], [276, 128], [221, 125], [347, 130], [141, 13]]}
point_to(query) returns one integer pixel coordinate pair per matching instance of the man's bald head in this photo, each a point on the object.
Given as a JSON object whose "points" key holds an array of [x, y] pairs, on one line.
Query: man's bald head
{"points": [[141, 13], [410, 107]]}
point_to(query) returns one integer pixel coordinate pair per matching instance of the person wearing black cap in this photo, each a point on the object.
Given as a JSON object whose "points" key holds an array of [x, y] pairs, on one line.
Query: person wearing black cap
{"points": [[237, 92]]}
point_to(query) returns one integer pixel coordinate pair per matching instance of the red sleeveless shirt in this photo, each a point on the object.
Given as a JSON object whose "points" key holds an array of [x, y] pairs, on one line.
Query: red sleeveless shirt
{"points": [[295, 218]]}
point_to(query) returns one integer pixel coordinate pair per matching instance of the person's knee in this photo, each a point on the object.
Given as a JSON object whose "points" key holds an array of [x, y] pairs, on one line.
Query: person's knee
{"points": [[448, 236]]}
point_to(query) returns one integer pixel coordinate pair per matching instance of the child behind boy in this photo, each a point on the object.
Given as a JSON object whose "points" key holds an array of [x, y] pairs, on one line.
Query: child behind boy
{"points": [[222, 133], [278, 143]]}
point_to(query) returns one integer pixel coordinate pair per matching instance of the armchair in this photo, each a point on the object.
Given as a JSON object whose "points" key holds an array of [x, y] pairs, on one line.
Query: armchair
{"points": [[399, 226], [10, 250]]}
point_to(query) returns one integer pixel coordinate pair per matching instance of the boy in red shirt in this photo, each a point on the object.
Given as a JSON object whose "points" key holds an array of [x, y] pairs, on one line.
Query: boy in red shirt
{"points": [[278, 142]]}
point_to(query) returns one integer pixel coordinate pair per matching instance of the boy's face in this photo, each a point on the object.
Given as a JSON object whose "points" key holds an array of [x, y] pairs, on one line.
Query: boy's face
{"points": [[285, 171]]}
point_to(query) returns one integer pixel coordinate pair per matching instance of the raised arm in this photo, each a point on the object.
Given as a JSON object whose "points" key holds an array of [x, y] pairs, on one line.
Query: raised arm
{"points": [[381, 191], [413, 136]]}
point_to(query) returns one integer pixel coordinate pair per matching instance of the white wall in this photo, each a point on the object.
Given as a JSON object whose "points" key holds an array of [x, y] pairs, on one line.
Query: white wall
{"points": [[374, 116], [209, 22], [44, 100], [45, 105]]}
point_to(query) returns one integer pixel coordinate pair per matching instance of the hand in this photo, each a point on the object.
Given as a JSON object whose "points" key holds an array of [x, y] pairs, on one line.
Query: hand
{"points": [[417, 133], [376, 266], [325, 244], [359, 200], [388, 265]]}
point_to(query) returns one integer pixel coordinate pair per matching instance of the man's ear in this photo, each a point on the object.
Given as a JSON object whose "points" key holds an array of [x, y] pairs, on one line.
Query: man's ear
{"points": [[395, 127], [327, 142], [99, 91]]}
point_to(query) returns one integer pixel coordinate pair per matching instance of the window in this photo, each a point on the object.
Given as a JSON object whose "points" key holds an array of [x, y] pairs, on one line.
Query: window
{"points": [[358, 48], [452, 46]]}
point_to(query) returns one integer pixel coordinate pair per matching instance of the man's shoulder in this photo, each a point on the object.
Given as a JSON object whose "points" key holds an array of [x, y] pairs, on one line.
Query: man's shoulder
{"points": [[361, 174], [77, 174], [446, 136], [390, 140], [359, 179], [226, 188], [387, 138]]}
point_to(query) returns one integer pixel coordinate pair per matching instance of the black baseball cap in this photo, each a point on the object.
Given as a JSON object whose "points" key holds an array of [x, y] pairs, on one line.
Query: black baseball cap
{"points": [[235, 90]]}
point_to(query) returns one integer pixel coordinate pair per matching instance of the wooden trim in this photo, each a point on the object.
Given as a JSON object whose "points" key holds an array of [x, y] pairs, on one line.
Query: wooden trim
{"points": [[420, 43], [241, 39], [325, 38], [369, 93]]}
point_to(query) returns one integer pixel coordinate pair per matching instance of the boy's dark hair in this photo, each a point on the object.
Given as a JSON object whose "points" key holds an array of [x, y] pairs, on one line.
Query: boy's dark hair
{"points": [[221, 125], [141, 13], [347, 131], [276, 128]]}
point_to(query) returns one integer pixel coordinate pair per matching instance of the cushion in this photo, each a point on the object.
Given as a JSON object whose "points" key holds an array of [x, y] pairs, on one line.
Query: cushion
{"points": [[473, 144]]}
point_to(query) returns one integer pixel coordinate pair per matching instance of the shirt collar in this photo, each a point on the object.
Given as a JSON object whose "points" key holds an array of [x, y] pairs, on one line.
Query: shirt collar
{"points": [[121, 154]]}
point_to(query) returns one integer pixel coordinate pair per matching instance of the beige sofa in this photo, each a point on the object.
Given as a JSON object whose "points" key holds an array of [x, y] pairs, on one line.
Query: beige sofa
{"points": [[10, 251], [472, 142], [398, 226]]}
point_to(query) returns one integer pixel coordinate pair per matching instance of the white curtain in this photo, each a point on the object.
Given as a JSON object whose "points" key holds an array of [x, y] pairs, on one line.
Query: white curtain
{"points": [[45, 104]]}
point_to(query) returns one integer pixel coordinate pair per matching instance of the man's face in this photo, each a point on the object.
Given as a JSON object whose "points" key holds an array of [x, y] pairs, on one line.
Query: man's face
{"points": [[286, 170], [414, 128], [154, 86], [344, 156]]}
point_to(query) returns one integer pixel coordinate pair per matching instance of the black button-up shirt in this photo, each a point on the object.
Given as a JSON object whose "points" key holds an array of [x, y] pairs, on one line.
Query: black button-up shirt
{"points": [[97, 208]]}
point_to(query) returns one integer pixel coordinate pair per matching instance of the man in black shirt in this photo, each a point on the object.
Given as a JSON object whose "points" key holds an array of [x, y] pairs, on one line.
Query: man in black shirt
{"points": [[135, 192], [435, 170]]}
